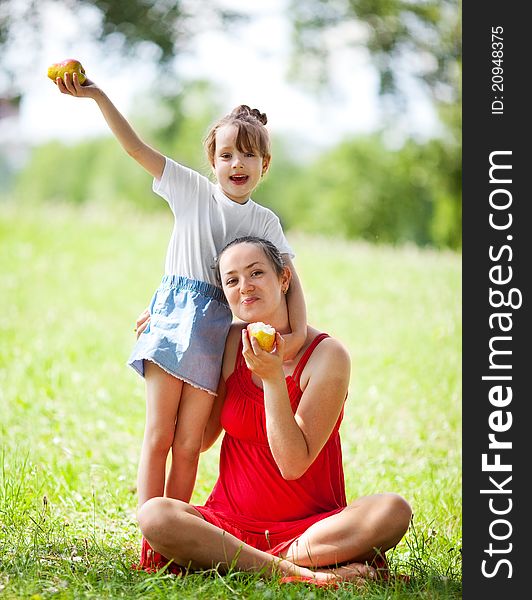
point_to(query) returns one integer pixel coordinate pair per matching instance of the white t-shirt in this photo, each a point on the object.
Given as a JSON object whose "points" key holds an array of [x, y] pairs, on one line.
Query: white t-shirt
{"points": [[206, 220]]}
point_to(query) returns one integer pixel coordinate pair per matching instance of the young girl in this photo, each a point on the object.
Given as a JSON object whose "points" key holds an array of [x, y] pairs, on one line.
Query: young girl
{"points": [[180, 353]]}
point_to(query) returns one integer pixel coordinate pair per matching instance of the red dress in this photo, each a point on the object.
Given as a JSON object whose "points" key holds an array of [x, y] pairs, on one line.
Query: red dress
{"points": [[251, 500]]}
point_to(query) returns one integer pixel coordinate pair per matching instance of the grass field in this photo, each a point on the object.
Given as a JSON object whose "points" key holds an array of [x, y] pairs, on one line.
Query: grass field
{"points": [[72, 282]]}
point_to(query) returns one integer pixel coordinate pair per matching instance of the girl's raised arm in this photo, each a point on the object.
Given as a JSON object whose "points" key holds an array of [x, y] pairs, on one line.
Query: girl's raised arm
{"points": [[147, 157]]}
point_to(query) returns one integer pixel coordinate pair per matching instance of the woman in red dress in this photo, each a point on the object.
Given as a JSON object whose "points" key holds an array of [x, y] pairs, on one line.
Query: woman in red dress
{"points": [[279, 503]]}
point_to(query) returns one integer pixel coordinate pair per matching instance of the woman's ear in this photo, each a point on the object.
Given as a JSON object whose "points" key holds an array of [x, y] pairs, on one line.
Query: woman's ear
{"points": [[286, 278]]}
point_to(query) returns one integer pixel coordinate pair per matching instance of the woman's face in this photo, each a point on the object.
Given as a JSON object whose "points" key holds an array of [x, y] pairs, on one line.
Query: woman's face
{"points": [[253, 288]]}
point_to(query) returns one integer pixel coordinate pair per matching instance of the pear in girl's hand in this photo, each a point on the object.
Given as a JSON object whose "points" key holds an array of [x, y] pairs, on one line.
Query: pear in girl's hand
{"points": [[70, 65]]}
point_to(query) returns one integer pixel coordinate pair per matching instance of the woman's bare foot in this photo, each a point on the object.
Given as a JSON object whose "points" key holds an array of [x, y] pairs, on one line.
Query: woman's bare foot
{"points": [[354, 572]]}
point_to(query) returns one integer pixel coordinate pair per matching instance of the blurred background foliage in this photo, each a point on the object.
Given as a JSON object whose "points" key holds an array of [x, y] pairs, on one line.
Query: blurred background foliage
{"points": [[369, 186]]}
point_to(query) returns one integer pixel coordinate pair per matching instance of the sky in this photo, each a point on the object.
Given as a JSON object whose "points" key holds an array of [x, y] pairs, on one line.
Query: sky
{"points": [[249, 66]]}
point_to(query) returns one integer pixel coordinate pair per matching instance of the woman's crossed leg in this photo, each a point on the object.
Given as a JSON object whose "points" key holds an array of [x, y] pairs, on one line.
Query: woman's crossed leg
{"points": [[338, 546]]}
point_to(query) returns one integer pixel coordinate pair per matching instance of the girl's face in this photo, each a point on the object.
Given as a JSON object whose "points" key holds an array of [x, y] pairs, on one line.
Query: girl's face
{"points": [[238, 173], [252, 287]]}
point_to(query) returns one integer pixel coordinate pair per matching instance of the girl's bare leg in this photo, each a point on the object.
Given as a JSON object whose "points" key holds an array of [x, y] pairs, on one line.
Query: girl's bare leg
{"points": [[163, 392], [194, 410], [368, 526], [178, 531]]}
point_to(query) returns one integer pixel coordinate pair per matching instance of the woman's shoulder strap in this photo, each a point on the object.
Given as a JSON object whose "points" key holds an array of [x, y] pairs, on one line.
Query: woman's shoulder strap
{"points": [[306, 355]]}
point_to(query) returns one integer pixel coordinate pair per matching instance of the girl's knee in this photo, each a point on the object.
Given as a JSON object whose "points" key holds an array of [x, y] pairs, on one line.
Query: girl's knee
{"points": [[187, 446], [159, 440]]}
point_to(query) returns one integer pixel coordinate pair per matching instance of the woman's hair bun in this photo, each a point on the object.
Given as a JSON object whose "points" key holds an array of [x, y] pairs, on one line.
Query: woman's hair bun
{"points": [[244, 111]]}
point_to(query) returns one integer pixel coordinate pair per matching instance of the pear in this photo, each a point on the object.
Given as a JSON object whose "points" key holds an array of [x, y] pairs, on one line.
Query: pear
{"points": [[70, 65], [265, 335]]}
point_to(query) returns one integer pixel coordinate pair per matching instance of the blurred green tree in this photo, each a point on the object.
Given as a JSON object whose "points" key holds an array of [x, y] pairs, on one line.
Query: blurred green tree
{"points": [[363, 189], [407, 40], [419, 38], [168, 26]]}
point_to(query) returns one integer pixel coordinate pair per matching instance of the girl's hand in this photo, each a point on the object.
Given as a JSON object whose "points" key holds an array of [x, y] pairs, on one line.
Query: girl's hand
{"points": [[293, 343], [70, 85], [266, 365], [142, 322]]}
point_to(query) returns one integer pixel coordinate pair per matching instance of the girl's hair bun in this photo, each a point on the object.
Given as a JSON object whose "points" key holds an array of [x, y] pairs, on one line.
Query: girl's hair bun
{"points": [[244, 111]]}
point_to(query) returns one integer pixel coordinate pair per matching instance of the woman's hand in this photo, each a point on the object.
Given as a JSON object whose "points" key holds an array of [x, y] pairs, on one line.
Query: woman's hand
{"points": [[266, 365], [142, 321]]}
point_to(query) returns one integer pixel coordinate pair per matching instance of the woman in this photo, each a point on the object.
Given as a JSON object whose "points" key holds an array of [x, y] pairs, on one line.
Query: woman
{"points": [[279, 503]]}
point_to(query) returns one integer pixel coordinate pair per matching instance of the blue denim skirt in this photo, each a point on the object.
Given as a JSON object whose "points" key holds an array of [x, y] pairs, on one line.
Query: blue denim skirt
{"points": [[186, 334]]}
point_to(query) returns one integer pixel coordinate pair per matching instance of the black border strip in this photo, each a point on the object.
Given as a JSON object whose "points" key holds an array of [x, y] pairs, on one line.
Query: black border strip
{"points": [[496, 123]]}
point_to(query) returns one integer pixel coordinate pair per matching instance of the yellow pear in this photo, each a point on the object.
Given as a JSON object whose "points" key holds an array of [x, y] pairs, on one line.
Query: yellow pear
{"points": [[264, 334], [70, 65]]}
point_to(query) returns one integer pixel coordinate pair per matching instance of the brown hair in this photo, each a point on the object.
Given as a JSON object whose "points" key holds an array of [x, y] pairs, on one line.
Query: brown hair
{"points": [[270, 251], [252, 134]]}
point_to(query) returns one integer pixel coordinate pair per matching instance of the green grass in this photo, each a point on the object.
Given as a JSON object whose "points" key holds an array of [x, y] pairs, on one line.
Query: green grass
{"points": [[72, 282]]}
